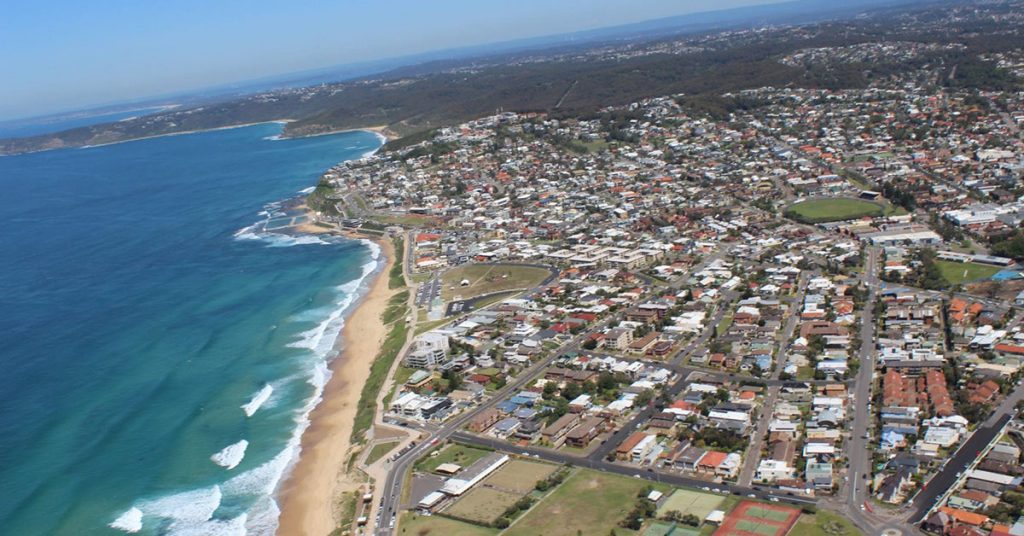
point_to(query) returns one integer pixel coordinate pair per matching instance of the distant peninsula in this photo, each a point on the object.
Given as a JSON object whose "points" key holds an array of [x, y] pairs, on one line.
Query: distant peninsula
{"points": [[575, 82]]}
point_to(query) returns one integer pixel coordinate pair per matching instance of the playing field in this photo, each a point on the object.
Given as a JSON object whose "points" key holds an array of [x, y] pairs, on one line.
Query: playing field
{"points": [[519, 476], [488, 278], [833, 209], [960, 272], [749, 518], [691, 502], [412, 524], [482, 504], [588, 502]]}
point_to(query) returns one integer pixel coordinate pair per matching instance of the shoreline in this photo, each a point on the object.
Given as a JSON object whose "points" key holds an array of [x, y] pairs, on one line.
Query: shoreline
{"points": [[167, 134], [308, 494], [381, 131]]}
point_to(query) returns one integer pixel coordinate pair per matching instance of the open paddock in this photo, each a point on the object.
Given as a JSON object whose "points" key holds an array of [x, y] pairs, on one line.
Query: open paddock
{"points": [[482, 505], [519, 476]]}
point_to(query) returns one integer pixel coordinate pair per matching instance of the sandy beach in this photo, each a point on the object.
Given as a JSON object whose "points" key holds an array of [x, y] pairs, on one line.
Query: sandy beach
{"points": [[383, 131], [308, 496]]}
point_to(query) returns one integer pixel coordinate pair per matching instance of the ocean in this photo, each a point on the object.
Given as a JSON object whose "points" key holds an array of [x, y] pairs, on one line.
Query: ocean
{"points": [[160, 349]]}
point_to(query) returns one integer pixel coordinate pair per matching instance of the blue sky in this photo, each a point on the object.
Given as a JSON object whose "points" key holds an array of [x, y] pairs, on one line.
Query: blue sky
{"points": [[65, 54]]}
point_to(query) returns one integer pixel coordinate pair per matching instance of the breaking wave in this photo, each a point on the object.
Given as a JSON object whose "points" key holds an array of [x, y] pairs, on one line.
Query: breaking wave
{"points": [[253, 405], [230, 456], [130, 521]]}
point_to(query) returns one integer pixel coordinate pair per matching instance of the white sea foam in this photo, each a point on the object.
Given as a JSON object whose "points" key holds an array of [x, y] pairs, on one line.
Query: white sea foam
{"points": [[130, 521], [188, 513], [257, 400], [191, 512], [313, 338], [230, 456], [277, 240], [214, 527], [307, 190], [184, 510]]}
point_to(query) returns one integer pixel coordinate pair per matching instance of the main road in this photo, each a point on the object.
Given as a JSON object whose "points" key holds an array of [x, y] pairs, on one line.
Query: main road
{"points": [[859, 447], [589, 462]]}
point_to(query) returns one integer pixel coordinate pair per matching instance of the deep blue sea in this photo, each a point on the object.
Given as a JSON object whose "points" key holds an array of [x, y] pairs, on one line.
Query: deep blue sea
{"points": [[159, 351]]}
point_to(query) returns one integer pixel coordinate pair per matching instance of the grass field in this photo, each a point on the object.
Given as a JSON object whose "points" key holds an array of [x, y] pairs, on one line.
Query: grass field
{"points": [[482, 504], [594, 502], [723, 326], [486, 278], [960, 272], [825, 524], [424, 326], [396, 276], [378, 373], [691, 502], [416, 525], [379, 450], [519, 475], [837, 209], [454, 453], [660, 528]]}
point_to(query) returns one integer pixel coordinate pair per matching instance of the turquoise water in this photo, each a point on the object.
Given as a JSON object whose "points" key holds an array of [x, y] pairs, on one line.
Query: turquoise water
{"points": [[141, 307]]}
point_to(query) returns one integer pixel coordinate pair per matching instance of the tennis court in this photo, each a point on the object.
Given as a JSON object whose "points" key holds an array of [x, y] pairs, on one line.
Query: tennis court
{"points": [[691, 502], [765, 513], [751, 518]]}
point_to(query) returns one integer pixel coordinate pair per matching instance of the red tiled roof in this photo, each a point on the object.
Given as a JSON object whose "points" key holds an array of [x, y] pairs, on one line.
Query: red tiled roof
{"points": [[964, 516], [1010, 349], [713, 458]]}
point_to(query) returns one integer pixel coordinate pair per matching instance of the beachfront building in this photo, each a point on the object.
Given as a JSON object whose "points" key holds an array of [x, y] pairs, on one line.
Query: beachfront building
{"points": [[428, 351]]}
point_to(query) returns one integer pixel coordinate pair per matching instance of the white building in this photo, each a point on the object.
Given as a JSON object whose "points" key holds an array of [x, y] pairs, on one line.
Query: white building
{"points": [[772, 470], [428, 351]]}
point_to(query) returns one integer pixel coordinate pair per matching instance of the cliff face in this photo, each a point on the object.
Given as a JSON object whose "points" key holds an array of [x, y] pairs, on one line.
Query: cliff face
{"points": [[319, 199]]}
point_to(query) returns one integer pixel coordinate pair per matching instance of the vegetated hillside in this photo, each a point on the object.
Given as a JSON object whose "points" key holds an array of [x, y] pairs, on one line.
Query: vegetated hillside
{"points": [[410, 100]]}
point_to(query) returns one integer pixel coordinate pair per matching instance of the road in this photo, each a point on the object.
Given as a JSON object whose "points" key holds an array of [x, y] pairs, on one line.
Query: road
{"points": [[392, 488], [969, 453], [750, 463], [390, 492], [608, 467], [859, 447]]}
